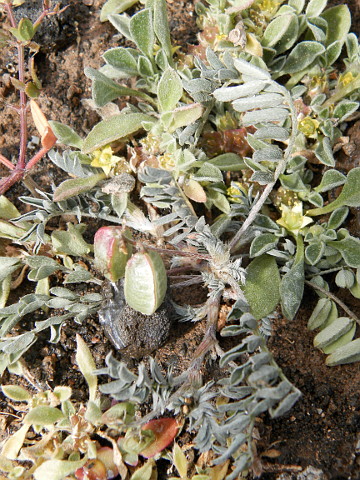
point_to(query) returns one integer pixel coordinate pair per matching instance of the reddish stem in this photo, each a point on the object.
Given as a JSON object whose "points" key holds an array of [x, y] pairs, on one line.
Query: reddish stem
{"points": [[38, 156], [6, 162]]}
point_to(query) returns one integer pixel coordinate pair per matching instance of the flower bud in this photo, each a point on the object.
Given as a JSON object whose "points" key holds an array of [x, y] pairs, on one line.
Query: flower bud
{"points": [[112, 252]]}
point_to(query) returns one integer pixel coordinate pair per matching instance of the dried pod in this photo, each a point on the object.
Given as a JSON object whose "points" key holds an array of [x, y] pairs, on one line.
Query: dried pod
{"points": [[145, 282], [111, 252]]}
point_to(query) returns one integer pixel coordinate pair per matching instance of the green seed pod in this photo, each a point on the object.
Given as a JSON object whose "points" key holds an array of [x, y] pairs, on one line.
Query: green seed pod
{"points": [[145, 282], [111, 252]]}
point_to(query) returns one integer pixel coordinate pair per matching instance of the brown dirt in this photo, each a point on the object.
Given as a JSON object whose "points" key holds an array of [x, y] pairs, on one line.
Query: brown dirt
{"points": [[323, 428]]}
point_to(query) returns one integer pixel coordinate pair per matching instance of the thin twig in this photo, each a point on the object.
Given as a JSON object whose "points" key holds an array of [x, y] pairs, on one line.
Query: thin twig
{"points": [[335, 299]]}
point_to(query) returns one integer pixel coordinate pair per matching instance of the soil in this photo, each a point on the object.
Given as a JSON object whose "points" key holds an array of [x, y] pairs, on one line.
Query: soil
{"points": [[323, 428]]}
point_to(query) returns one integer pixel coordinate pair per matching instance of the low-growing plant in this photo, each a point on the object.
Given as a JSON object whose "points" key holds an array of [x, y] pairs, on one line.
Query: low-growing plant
{"points": [[20, 35], [212, 162]]}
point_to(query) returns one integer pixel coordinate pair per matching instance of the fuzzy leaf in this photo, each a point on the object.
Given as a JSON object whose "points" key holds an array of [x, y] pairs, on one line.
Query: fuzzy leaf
{"points": [[302, 55], [8, 265], [228, 94], [142, 31], [66, 135], [169, 90], [145, 282], [104, 90], [43, 415], [266, 100], [348, 353], [324, 152], [122, 59], [16, 393], [115, 6], [76, 186], [145, 472], [349, 196], [340, 342], [315, 7], [333, 332], [349, 247], [70, 242], [86, 366], [337, 217], [228, 162], [161, 28], [262, 286], [13, 444], [57, 469], [262, 244], [331, 179], [275, 114], [281, 33], [314, 252], [114, 128], [208, 173], [339, 22], [251, 70], [292, 283], [320, 314]]}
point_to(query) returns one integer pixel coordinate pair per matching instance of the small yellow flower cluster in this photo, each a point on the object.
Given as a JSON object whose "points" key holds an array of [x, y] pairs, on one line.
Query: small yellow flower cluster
{"points": [[234, 192], [104, 158], [309, 127]]}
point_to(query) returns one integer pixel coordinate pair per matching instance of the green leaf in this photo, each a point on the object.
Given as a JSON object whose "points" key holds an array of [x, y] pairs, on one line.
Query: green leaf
{"points": [[7, 209], [43, 415], [25, 30], [262, 244], [5, 287], [104, 90], [331, 179], [337, 217], [161, 28], [218, 199], [124, 59], [348, 353], [115, 6], [228, 162], [76, 186], [114, 128], [315, 7], [169, 90], [281, 33], [8, 265], [320, 314], [183, 116], [86, 366], [65, 134], [333, 332], [180, 461], [349, 247], [302, 55], [145, 282], [70, 242], [144, 472], [16, 393], [292, 283], [339, 23], [208, 173], [344, 109], [275, 114], [13, 444], [349, 196], [142, 32], [262, 286], [314, 252], [324, 152], [57, 469]]}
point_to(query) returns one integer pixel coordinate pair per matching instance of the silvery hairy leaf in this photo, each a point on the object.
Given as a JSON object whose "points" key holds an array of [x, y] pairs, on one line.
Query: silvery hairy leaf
{"points": [[276, 114], [142, 31], [282, 32], [338, 19], [247, 68], [271, 131], [227, 94], [302, 55], [266, 100], [124, 59]]}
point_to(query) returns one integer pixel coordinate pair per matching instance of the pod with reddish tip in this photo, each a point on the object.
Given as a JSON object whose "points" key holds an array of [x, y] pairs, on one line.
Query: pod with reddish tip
{"points": [[111, 252], [145, 282], [164, 430]]}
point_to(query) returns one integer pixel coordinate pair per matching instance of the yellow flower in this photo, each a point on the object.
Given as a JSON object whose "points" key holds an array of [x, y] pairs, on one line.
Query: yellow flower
{"points": [[104, 158], [346, 78], [308, 126], [235, 192], [292, 218]]}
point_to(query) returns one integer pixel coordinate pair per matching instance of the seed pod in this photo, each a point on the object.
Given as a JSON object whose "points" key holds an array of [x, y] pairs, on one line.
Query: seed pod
{"points": [[111, 252], [145, 282]]}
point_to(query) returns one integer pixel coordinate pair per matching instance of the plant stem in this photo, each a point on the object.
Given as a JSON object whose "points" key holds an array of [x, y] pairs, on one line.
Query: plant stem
{"points": [[279, 169]]}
